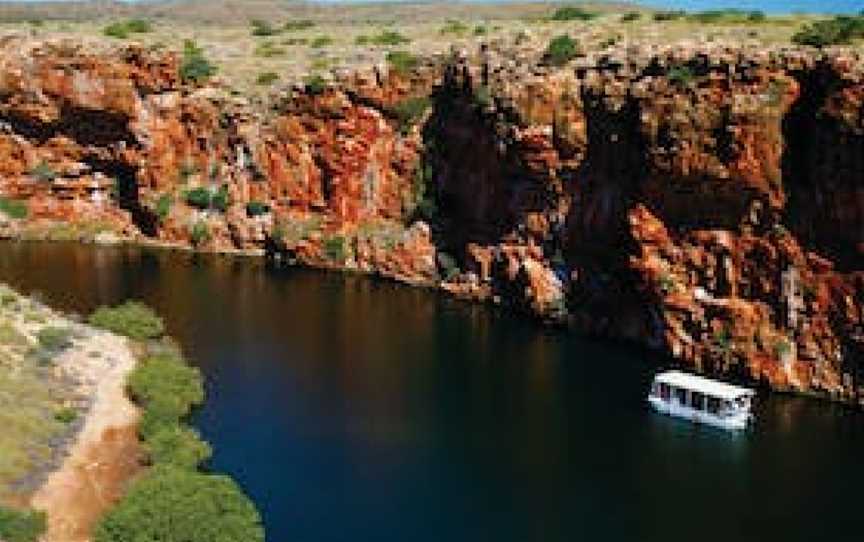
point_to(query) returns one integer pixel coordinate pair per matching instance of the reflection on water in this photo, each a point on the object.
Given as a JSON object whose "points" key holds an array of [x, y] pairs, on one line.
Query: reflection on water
{"points": [[352, 409]]}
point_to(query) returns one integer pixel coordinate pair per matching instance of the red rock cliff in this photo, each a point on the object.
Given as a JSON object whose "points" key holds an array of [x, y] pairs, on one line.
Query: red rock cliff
{"points": [[708, 204]]}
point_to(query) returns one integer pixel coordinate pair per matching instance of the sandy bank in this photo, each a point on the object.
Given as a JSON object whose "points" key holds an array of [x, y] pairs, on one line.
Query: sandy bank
{"points": [[105, 454]]}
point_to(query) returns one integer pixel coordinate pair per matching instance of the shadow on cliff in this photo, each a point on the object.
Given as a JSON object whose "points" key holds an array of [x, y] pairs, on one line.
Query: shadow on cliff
{"points": [[823, 171]]}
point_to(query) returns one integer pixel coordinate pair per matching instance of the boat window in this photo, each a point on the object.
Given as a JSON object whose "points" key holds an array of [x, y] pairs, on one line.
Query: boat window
{"points": [[681, 395], [697, 400], [713, 405], [665, 391]]}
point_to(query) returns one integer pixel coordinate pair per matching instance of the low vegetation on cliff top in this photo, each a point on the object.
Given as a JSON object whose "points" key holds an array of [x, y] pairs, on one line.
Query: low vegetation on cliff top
{"points": [[561, 50], [175, 501], [295, 42], [195, 68], [123, 29], [837, 31]]}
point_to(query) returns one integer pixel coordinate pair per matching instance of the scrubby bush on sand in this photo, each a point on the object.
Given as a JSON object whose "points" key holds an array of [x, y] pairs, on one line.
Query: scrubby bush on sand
{"points": [[132, 319], [179, 505], [21, 526]]}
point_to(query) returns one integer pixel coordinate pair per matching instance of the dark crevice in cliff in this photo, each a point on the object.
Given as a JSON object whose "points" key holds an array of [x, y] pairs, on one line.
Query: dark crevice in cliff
{"points": [[608, 183], [84, 126], [126, 191], [823, 168], [468, 172]]}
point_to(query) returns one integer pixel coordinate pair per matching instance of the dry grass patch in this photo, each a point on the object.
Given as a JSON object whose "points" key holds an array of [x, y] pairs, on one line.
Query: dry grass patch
{"points": [[38, 405]]}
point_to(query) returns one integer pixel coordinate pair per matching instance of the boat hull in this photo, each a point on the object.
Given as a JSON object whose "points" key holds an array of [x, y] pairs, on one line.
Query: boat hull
{"points": [[735, 422]]}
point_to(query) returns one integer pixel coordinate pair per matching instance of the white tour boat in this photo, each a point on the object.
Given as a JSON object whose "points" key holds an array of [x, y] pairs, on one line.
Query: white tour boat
{"points": [[701, 400]]}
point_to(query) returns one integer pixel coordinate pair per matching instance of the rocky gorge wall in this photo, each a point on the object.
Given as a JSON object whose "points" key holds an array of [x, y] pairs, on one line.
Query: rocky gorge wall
{"points": [[708, 204]]}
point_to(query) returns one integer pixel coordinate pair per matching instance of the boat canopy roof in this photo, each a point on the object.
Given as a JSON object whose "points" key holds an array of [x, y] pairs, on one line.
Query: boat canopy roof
{"points": [[713, 388]]}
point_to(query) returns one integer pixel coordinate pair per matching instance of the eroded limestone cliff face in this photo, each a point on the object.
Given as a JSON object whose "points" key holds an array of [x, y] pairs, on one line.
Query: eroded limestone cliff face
{"points": [[709, 203]]}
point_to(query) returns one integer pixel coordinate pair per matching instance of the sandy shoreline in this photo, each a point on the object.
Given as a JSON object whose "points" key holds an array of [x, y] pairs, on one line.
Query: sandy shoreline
{"points": [[105, 453]]}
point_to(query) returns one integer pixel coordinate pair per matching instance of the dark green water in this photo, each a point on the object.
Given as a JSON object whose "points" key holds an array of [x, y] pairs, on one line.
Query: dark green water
{"points": [[352, 409]]}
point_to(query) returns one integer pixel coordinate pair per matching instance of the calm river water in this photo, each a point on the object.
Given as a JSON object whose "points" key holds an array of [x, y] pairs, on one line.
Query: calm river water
{"points": [[357, 410]]}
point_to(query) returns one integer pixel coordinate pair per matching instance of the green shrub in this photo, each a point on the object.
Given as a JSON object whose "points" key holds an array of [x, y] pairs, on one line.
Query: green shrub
{"points": [[334, 248], [756, 16], [66, 415], [200, 233], [221, 199], [9, 334], [667, 283], [610, 41], [186, 171], [163, 206], [453, 26], [302, 24], [561, 50], [447, 265], [728, 16], [21, 526], [266, 78], [572, 13], [268, 49], [837, 31], [480, 30], [256, 208], [389, 37], [262, 28], [205, 198], [483, 96], [321, 63], [198, 197], [408, 112], [315, 85], [669, 15], [43, 172], [321, 41], [122, 29], [427, 208], [723, 337], [195, 68], [782, 347], [631, 17], [402, 62], [177, 505], [166, 385], [132, 319], [177, 446], [139, 26], [681, 75], [423, 177], [54, 339], [14, 208]]}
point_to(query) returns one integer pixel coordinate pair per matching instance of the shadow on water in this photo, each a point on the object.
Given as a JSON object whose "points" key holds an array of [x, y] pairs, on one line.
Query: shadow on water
{"points": [[356, 409]]}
